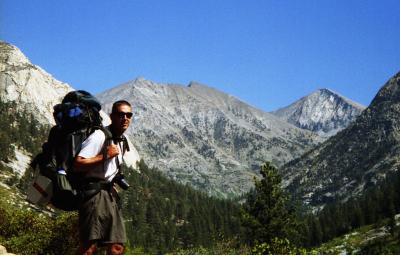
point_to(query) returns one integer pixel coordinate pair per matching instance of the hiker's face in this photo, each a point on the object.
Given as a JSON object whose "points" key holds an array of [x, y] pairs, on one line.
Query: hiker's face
{"points": [[121, 118]]}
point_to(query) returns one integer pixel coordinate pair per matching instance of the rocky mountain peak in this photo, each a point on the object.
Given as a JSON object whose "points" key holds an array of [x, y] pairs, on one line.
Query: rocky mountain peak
{"points": [[28, 84], [323, 111], [355, 158], [202, 136], [140, 79], [192, 84], [334, 96], [389, 93], [11, 55], [195, 84]]}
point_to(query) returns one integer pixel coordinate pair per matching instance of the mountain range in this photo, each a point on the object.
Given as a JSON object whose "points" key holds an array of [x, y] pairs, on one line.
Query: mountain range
{"points": [[356, 158], [201, 136], [194, 134]]}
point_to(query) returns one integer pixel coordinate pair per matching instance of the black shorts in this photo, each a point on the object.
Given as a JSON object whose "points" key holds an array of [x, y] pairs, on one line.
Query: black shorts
{"points": [[100, 219]]}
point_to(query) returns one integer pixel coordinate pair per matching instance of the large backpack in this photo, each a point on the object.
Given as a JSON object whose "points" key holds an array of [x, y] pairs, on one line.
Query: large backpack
{"points": [[76, 118]]}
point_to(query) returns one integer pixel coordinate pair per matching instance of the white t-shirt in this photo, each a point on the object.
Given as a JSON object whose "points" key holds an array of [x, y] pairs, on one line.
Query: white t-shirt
{"points": [[93, 146]]}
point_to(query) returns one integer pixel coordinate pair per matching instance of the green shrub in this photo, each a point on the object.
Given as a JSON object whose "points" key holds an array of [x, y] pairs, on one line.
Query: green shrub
{"points": [[227, 247], [28, 232], [279, 247]]}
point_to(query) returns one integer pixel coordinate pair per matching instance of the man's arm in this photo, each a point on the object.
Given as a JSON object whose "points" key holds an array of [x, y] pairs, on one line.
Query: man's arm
{"points": [[83, 164]]}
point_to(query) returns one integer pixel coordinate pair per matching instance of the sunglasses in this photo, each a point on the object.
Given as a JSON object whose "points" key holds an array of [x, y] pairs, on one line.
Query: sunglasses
{"points": [[123, 114]]}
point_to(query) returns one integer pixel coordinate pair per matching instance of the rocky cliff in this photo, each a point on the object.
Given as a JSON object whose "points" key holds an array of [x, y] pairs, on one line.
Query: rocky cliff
{"points": [[28, 84]]}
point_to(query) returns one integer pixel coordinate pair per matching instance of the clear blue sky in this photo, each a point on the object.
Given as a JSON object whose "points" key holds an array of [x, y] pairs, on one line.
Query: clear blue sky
{"points": [[267, 53]]}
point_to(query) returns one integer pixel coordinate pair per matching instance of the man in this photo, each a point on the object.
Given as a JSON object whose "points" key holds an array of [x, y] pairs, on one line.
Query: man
{"points": [[100, 218]]}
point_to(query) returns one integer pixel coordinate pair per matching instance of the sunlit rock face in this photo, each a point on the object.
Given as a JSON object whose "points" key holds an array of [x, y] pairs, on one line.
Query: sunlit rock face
{"points": [[201, 136], [324, 112], [28, 84]]}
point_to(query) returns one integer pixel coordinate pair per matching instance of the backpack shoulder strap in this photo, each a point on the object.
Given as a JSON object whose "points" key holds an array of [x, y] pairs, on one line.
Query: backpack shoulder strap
{"points": [[108, 139], [107, 133]]}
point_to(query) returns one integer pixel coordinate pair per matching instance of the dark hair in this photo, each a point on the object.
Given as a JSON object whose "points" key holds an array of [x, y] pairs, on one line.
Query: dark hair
{"points": [[118, 104]]}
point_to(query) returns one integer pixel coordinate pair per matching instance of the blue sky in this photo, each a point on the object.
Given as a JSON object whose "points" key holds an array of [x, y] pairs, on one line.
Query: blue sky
{"points": [[267, 53]]}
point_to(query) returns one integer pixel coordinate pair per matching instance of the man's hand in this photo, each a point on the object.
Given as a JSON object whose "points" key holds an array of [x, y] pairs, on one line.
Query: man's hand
{"points": [[84, 164], [112, 151]]}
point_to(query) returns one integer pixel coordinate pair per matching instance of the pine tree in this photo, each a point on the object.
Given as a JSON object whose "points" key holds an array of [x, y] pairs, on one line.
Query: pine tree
{"points": [[266, 211]]}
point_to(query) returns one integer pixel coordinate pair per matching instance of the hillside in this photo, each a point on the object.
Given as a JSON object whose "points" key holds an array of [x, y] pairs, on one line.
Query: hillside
{"points": [[161, 215], [379, 239], [354, 159]]}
